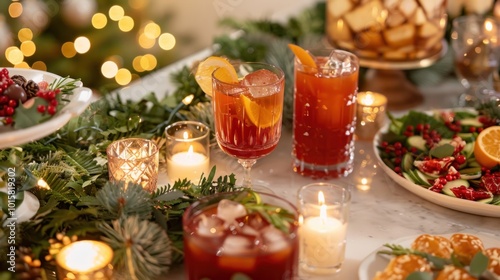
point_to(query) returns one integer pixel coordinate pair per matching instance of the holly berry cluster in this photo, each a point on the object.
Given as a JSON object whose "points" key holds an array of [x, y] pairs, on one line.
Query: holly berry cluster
{"points": [[16, 91]]}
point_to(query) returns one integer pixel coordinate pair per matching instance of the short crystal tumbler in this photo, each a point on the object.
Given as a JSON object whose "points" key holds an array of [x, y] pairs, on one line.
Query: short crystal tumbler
{"points": [[134, 160], [241, 235], [324, 210], [324, 116]]}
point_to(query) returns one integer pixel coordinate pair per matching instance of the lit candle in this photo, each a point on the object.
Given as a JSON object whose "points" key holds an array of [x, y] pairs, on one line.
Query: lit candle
{"points": [[370, 114], [85, 259], [134, 160], [188, 165], [188, 151], [323, 239]]}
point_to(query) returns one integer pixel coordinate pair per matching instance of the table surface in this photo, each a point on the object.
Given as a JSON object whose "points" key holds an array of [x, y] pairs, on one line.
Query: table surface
{"points": [[381, 214]]}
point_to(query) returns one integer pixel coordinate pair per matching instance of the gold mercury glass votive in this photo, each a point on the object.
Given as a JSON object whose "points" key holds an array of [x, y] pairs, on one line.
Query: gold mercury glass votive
{"points": [[85, 260], [134, 160], [370, 114]]}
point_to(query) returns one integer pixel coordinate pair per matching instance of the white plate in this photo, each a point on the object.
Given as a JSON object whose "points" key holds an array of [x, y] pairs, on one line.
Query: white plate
{"points": [[80, 99], [375, 262], [463, 205]]}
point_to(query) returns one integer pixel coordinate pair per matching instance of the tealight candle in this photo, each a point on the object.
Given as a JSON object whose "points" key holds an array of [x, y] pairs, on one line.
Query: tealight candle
{"points": [[324, 209], [370, 114], [134, 160], [188, 150], [85, 260]]}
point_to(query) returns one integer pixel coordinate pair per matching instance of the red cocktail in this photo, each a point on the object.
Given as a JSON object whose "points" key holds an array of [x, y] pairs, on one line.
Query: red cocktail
{"points": [[231, 234], [247, 113], [325, 115]]}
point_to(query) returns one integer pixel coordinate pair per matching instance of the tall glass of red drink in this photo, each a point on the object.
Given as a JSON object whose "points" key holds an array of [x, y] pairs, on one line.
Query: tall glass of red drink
{"points": [[324, 116], [231, 235]]}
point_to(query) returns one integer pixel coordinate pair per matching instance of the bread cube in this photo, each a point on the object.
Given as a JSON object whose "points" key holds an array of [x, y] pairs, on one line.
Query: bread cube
{"points": [[408, 7], [400, 36], [337, 8], [365, 16]]}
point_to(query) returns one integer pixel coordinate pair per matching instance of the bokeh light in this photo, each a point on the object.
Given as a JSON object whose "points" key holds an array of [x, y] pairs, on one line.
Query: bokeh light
{"points": [[146, 42], [136, 63], [123, 77], [126, 24], [25, 34], [15, 9], [166, 41], [116, 13], [82, 44], [40, 65], [68, 49], [138, 4], [14, 55], [99, 21], [28, 48], [109, 69], [23, 65], [152, 30], [148, 62]]}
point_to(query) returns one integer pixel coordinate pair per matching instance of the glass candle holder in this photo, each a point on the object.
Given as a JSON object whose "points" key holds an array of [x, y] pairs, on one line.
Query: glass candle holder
{"points": [[188, 150], [134, 160], [370, 114], [324, 210], [85, 260]]}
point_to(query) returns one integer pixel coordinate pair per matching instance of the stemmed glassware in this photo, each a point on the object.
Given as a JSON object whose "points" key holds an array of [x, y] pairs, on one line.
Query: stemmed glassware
{"points": [[248, 113], [476, 46]]}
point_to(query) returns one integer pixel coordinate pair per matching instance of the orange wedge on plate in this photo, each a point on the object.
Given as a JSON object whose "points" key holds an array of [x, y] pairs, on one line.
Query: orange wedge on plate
{"points": [[487, 147], [302, 55], [263, 111], [203, 75]]}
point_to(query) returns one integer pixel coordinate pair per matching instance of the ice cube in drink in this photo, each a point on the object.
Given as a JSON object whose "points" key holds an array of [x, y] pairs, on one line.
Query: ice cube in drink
{"points": [[249, 245]]}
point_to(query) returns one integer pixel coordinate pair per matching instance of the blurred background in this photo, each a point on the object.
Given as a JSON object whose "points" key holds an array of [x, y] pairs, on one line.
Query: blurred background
{"points": [[110, 43]]}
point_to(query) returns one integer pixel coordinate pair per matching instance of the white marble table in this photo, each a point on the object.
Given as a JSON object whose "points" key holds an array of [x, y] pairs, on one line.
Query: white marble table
{"points": [[381, 214]]}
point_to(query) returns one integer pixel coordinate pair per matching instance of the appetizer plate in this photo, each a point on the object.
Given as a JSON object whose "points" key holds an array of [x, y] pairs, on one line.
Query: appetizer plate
{"points": [[375, 262], [80, 99], [463, 205]]}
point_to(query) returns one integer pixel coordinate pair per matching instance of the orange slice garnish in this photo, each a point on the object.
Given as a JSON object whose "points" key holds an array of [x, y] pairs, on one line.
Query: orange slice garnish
{"points": [[487, 147], [203, 75], [303, 56], [263, 111]]}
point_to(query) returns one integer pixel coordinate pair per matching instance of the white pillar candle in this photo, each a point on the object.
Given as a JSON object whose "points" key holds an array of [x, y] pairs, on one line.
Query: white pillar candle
{"points": [[188, 165]]}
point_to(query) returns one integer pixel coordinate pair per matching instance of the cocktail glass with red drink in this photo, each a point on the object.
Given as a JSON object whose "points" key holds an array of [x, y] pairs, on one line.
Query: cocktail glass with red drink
{"points": [[324, 118], [241, 234], [248, 112]]}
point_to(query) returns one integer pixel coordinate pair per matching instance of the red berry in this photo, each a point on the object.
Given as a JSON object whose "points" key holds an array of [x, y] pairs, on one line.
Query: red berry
{"points": [[51, 110], [8, 120], [41, 108], [12, 103], [53, 102], [50, 95], [9, 111]]}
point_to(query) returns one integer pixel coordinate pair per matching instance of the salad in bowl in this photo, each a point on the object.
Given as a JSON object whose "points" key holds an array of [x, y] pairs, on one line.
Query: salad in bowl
{"points": [[445, 153]]}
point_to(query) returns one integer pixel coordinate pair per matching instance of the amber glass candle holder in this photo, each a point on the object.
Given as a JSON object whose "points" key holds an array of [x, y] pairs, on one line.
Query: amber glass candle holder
{"points": [[134, 160]]}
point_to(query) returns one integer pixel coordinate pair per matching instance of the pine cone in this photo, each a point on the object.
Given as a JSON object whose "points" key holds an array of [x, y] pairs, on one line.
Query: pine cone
{"points": [[31, 88], [18, 79]]}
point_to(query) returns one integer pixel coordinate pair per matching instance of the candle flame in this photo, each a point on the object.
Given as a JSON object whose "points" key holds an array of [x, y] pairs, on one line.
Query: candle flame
{"points": [[321, 198], [322, 207], [368, 99], [185, 135], [488, 25], [85, 256], [190, 150]]}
